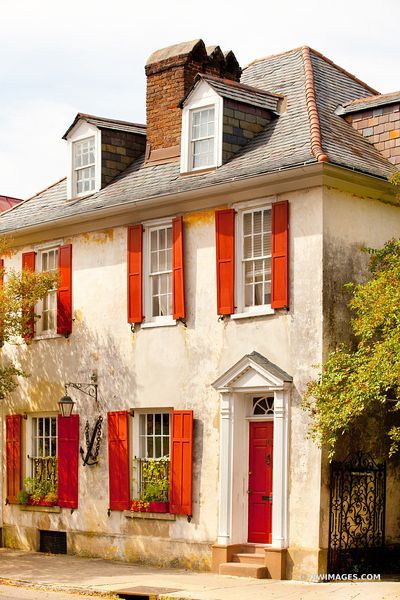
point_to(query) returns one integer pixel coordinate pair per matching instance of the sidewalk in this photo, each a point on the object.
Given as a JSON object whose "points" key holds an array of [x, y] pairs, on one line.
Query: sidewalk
{"points": [[95, 575]]}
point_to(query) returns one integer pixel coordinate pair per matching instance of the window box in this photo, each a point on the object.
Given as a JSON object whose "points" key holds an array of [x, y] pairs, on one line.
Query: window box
{"points": [[41, 502], [151, 507]]}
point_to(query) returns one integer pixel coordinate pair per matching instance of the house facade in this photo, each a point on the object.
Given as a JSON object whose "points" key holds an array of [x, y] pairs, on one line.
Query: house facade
{"points": [[202, 260]]}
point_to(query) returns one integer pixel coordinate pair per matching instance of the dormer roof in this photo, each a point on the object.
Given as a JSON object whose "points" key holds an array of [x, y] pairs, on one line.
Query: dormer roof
{"points": [[239, 92], [104, 123]]}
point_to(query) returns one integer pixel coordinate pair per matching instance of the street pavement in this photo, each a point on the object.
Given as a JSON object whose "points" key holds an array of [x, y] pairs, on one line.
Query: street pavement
{"points": [[13, 592], [66, 573]]}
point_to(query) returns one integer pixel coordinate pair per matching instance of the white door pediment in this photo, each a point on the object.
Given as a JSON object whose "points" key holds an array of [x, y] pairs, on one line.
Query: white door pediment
{"points": [[252, 372]]}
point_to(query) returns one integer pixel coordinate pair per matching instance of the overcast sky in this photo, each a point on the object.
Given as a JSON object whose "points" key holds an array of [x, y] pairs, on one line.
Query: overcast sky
{"points": [[60, 57]]}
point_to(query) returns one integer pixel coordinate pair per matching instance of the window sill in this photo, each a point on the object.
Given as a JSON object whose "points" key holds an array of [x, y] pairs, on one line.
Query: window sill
{"points": [[259, 313], [38, 508], [47, 336], [166, 323], [129, 514]]}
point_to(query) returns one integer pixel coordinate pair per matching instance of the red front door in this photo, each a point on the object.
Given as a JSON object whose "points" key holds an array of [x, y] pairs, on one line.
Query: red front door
{"points": [[260, 482]]}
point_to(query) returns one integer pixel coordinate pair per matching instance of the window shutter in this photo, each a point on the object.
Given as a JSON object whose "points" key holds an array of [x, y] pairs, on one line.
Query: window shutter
{"points": [[181, 462], [28, 264], [280, 255], [13, 456], [64, 293], [68, 461], [135, 275], [178, 279], [118, 460], [225, 249]]}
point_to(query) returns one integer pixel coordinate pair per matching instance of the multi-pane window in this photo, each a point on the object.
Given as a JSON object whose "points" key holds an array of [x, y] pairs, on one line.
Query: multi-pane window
{"points": [[84, 165], [48, 320], [161, 271], [154, 435], [202, 138], [44, 448], [256, 257]]}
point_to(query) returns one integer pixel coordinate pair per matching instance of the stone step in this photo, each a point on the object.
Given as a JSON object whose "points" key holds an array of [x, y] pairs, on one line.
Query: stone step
{"points": [[253, 558], [243, 570], [253, 548]]}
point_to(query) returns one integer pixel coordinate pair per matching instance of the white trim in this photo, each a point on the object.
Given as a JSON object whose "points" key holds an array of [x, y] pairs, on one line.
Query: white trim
{"points": [[259, 311], [50, 333], [203, 96], [81, 131], [235, 416], [28, 437], [150, 321], [259, 202], [241, 311]]}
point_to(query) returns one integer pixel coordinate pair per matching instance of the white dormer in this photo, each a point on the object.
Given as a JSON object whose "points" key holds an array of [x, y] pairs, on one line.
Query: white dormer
{"points": [[202, 121], [84, 160]]}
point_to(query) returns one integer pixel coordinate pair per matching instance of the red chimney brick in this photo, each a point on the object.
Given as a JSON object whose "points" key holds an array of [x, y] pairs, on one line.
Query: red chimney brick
{"points": [[170, 75]]}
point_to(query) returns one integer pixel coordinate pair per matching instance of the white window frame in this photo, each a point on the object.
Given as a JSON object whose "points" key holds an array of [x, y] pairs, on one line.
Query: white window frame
{"points": [[79, 133], [39, 333], [150, 321], [29, 438], [82, 168], [135, 439], [202, 97], [242, 311]]}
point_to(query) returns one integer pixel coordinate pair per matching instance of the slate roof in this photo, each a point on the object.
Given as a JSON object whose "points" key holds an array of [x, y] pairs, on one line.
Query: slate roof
{"points": [[104, 123], [286, 142], [370, 102], [240, 93]]}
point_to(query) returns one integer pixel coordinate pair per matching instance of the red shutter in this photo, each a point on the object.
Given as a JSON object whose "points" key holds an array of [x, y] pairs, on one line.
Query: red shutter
{"points": [[280, 255], [68, 460], [28, 264], [118, 459], [135, 259], [181, 462], [13, 454], [178, 280], [225, 248], [64, 293]]}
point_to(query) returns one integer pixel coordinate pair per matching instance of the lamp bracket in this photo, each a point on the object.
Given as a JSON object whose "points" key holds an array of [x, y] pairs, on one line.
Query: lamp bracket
{"points": [[90, 389]]}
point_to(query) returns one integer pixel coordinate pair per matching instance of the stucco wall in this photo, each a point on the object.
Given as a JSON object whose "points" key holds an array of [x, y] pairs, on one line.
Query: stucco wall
{"points": [[174, 367], [352, 222]]}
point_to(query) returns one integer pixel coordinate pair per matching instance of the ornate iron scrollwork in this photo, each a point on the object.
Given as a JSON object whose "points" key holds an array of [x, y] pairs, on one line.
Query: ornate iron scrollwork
{"points": [[357, 514]]}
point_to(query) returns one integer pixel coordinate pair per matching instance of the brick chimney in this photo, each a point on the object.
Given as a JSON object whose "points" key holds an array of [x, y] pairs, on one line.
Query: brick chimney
{"points": [[377, 118], [170, 75]]}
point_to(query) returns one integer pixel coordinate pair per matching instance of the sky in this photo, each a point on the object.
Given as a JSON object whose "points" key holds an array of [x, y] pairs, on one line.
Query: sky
{"points": [[60, 57]]}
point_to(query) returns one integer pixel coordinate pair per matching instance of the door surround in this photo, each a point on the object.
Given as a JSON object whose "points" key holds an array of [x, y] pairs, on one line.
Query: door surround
{"points": [[252, 376]]}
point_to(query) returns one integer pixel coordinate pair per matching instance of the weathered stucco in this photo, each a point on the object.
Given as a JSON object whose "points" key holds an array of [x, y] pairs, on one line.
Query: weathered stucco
{"points": [[352, 222], [175, 366]]}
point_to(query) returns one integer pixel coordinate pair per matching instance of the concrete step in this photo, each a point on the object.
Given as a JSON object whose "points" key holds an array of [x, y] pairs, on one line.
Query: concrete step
{"points": [[243, 570], [253, 548], [253, 558]]}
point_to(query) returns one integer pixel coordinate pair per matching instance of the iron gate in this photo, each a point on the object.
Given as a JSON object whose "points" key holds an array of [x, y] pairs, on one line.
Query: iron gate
{"points": [[357, 515]]}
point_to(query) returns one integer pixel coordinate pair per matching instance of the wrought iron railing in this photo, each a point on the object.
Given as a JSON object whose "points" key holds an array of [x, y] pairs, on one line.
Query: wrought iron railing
{"points": [[151, 478], [45, 469]]}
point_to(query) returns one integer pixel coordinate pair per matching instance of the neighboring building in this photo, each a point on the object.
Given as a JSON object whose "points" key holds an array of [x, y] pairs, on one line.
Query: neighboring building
{"points": [[7, 202], [202, 262]]}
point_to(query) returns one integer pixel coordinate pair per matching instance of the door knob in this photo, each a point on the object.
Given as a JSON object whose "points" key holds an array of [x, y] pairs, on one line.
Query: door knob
{"points": [[268, 459]]}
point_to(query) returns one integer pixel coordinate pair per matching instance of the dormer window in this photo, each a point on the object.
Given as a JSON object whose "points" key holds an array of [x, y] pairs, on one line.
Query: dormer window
{"points": [[84, 165], [203, 138]]}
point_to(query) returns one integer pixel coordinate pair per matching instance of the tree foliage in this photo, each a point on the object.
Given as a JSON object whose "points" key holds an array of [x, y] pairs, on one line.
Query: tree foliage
{"points": [[19, 293], [356, 382]]}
